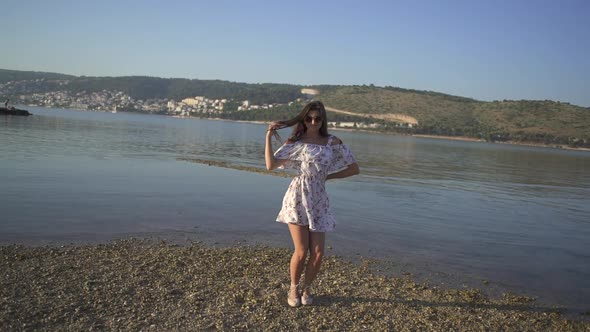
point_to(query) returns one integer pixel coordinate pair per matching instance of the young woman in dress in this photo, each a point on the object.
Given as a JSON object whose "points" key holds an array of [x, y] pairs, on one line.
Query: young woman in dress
{"points": [[317, 156]]}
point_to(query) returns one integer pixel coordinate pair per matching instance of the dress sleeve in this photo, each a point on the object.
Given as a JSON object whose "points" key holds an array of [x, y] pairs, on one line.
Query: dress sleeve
{"points": [[289, 153], [342, 157]]}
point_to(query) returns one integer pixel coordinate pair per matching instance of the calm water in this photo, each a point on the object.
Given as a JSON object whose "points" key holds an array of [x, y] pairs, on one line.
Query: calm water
{"points": [[516, 216]]}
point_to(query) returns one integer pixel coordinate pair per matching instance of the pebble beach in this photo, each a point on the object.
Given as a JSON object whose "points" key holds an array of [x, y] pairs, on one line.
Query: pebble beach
{"points": [[148, 285]]}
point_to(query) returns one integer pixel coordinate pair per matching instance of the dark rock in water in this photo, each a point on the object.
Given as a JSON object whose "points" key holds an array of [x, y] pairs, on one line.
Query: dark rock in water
{"points": [[13, 111]]}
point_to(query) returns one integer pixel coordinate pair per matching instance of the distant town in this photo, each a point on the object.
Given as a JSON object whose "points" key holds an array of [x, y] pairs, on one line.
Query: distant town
{"points": [[115, 101]]}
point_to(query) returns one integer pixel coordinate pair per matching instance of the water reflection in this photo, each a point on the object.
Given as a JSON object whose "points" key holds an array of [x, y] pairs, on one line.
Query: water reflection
{"points": [[495, 209], [382, 157]]}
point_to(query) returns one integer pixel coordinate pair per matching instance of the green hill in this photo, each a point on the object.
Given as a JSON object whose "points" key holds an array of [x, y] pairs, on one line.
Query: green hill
{"points": [[17, 75], [436, 113], [144, 87], [440, 114], [177, 88]]}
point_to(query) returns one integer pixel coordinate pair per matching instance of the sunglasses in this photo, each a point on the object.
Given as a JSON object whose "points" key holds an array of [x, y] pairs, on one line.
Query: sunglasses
{"points": [[311, 118]]}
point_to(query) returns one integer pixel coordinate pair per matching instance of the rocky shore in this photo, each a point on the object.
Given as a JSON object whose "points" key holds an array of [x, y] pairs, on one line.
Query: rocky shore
{"points": [[13, 111], [148, 285]]}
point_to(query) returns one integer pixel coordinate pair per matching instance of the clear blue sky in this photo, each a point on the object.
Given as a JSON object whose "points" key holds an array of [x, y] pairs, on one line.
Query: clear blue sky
{"points": [[487, 50]]}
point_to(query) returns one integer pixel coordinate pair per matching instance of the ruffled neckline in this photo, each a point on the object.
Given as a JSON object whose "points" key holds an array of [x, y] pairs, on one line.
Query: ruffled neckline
{"points": [[306, 152], [334, 156], [304, 143]]}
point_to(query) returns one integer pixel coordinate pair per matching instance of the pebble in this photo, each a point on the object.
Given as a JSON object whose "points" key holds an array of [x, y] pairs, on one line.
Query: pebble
{"points": [[244, 292]]}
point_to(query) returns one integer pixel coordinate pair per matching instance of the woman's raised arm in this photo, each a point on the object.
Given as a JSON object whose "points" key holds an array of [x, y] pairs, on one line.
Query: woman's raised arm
{"points": [[271, 161]]}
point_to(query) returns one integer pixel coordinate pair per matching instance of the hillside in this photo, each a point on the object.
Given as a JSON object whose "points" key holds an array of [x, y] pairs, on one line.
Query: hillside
{"points": [[17, 75], [144, 87], [440, 114], [428, 112]]}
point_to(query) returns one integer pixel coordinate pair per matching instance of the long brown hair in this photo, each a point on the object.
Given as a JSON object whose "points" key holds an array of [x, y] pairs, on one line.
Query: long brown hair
{"points": [[299, 121]]}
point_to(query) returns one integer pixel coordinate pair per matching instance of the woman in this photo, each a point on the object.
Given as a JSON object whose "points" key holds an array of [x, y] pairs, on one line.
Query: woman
{"points": [[318, 157]]}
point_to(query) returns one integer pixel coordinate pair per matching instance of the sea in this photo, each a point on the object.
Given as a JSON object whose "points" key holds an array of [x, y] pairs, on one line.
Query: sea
{"points": [[499, 217]]}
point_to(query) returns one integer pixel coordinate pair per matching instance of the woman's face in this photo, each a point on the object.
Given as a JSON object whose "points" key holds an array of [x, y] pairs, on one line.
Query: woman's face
{"points": [[313, 120]]}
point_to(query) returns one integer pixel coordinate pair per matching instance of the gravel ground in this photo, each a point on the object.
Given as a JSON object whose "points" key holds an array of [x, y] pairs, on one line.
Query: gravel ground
{"points": [[135, 285]]}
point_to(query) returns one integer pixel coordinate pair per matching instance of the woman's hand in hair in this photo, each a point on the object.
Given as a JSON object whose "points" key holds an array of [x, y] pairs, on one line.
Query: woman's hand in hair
{"points": [[273, 126]]}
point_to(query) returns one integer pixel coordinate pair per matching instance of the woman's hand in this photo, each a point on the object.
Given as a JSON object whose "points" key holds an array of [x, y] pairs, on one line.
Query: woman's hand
{"points": [[273, 127], [272, 130], [352, 169]]}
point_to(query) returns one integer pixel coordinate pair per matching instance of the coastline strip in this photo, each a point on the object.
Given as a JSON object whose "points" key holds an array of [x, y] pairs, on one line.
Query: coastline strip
{"points": [[224, 164], [141, 285]]}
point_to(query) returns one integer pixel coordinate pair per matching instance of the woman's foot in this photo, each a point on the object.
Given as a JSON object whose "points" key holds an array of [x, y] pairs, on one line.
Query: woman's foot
{"points": [[306, 298], [293, 298]]}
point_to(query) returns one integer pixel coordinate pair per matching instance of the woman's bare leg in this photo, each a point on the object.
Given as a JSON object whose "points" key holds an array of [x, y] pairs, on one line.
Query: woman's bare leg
{"points": [[316, 252], [300, 236]]}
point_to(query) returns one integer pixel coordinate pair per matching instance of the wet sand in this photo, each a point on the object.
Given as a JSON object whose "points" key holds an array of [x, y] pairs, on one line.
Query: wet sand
{"points": [[223, 164], [136, 284]]}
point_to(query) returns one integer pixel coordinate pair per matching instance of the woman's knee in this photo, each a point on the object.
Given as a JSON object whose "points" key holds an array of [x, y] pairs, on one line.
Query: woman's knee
{"points": [[316, 255], [300, 253]]}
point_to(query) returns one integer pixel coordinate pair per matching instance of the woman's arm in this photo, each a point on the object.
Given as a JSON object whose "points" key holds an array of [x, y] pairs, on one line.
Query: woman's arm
{"points": [[352, 169], [269, 157]]}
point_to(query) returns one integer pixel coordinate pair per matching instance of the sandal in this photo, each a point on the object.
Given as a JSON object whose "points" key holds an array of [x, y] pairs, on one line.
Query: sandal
{"points": [[293, 298], [306, 298]]}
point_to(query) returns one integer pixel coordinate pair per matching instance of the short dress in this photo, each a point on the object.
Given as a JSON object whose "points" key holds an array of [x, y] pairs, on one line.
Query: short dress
{"points": [[306, 201]]}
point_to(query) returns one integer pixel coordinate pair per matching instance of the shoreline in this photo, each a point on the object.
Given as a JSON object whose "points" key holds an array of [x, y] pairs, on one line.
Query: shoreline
{"points": [[224, 164], [442, 137], [531, 144], [255, 129], [454, 138], [139, 284]]}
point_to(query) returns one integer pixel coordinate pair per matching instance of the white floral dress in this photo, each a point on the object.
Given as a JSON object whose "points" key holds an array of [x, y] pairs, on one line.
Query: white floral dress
{"points": [[306, 201]]}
